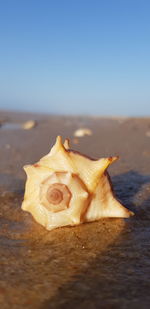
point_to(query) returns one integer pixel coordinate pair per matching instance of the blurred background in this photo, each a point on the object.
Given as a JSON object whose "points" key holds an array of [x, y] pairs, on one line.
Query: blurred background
{"points": [[75, 57]]}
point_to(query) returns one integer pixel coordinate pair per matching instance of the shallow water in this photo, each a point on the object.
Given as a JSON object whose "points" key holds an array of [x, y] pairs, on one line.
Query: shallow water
{"points": [[11, 126]]}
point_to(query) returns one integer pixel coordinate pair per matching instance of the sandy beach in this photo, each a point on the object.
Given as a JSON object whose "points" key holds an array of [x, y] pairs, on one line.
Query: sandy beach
{"points": [[104, 264]]}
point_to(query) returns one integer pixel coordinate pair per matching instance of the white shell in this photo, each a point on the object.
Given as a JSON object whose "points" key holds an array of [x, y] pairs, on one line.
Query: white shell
{"points": [[82, 132], [80, 185]]}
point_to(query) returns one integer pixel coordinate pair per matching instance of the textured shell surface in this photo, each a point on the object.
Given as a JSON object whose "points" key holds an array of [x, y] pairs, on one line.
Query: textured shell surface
{"points": [[68, 188]]}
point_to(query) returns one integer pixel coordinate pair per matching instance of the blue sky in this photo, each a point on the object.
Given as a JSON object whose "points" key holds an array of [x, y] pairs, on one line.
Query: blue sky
{"points": [[75, 56]]}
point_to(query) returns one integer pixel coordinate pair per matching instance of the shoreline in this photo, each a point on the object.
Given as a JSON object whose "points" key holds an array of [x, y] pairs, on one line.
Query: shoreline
{"points": [[39, 114]]}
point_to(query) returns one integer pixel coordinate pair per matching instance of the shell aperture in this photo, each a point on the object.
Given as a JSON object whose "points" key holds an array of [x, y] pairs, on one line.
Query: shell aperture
{"points": [[68, 188]]}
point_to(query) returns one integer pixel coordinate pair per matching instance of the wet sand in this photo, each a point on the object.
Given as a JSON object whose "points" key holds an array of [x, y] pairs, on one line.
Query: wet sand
{"points": [[105, 264]]}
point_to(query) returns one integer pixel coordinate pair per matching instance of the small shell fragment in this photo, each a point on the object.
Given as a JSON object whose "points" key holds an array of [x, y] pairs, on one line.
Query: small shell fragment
{"points": [[68, 188], [29, 125], [82, 132]]}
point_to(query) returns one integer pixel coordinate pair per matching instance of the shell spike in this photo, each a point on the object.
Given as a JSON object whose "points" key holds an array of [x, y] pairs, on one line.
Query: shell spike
{"points": [[58, 159], [116, 209], [102, 165], [26, 167], [105, 162], [57, 146], [59, 140], [67, 144], [113, 159], [58, 143]]}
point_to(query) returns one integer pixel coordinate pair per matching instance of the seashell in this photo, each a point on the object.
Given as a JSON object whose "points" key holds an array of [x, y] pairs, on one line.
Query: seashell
{"points": [[82, 132], [28, 125], [68, 188]]}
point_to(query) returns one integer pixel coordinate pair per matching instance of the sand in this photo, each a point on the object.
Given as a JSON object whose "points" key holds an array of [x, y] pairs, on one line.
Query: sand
{"points": [[105, 264]]}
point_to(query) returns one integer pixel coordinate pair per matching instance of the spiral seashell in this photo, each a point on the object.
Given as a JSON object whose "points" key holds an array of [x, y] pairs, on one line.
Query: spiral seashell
{"points": [[68, 188], [55, 194]]}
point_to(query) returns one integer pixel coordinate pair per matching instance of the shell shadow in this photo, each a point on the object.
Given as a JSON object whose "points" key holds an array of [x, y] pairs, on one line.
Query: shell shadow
{"points": [[119, 276], [129, 188]]}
